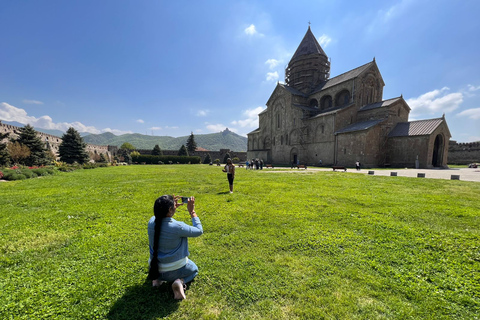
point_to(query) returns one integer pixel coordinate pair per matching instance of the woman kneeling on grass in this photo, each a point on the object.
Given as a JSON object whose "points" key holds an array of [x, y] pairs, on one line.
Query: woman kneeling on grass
{"points": [[169, 245]]}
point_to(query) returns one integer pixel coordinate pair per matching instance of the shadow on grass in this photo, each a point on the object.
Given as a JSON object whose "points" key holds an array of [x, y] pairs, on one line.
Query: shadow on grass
{"points": [[225, 192], [144, 302]]}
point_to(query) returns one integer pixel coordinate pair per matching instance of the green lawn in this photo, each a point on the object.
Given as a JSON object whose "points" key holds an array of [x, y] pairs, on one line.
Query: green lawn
{"points": [[300, 245]]}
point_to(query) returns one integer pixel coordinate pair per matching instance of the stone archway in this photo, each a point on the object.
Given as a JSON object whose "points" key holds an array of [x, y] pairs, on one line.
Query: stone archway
{"points": [[438, 146]]}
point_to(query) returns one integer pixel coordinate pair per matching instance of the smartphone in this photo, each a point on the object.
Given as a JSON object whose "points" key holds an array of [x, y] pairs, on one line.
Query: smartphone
{"points": [[185, 199]]}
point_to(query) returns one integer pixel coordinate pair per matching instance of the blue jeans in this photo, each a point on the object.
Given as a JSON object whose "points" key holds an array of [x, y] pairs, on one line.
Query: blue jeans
{"points": [[187, 273]]}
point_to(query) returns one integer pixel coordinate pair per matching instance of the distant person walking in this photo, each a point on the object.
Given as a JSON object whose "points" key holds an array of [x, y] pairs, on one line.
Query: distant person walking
{"points": [[357, 165], [230, 170]]}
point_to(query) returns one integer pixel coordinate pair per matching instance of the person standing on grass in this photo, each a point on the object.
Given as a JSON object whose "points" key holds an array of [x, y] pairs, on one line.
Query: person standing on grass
{"points": [[168, 243], [230, 170]]}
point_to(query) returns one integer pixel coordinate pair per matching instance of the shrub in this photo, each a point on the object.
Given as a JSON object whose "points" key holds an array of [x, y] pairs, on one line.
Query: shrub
{"points": [[13, 175], [28, 173], [150, 159]]}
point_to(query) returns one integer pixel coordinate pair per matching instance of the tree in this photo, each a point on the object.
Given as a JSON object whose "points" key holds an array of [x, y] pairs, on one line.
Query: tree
{"points": [[227, 155], [102, 158], [18, 152], [183, 151], [207, 159], [38, 154], [134, 154], [157, 151], [73, 149], [4, 158], [191, 145], [127, 146]]}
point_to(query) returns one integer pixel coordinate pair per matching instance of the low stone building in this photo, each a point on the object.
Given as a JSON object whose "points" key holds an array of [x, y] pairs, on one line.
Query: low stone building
{"points": [[312, 119]]}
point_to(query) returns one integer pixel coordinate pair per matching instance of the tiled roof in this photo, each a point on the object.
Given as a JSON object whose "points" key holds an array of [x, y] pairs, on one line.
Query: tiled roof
{"points": [[360, 126], [343, 77], [293, 90], [415, 128], [309, 45], [380, 104]]}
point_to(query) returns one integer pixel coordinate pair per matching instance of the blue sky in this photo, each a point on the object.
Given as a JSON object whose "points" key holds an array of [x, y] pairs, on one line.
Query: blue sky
{"points": [[175, 67]]}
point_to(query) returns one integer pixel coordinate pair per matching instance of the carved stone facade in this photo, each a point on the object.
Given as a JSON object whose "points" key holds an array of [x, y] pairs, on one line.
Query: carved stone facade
{"points": [[341, 120]]}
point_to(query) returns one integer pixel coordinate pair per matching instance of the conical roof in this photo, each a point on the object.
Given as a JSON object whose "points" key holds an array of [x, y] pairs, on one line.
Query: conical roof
{"points": [[309, 45]]}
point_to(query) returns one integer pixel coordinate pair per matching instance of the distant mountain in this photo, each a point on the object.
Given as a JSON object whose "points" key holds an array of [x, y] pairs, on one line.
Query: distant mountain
{"points": [[213, 141]]}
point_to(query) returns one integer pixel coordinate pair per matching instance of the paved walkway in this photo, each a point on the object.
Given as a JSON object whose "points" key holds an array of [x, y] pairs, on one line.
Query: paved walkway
{"points": [[465, 174]]}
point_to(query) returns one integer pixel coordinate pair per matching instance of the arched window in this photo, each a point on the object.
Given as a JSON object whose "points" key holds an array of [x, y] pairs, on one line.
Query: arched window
{"points": [[342, 98], [326, 102], [313, 103]]}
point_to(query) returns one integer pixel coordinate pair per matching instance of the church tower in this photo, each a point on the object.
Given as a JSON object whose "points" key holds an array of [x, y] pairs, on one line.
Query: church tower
{"points": [[309, 66]]}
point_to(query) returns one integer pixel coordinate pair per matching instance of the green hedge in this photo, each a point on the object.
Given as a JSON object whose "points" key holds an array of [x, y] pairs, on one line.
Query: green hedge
{"points": [[150, 159]]}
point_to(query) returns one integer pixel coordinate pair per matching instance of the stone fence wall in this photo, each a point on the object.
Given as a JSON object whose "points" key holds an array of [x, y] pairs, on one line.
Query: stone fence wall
{"points": [[202, 154], [53, 142], [463, 153]]}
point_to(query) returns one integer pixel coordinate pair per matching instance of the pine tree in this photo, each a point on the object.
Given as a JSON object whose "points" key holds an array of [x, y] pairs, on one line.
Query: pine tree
{"points": [[38, 154], [4, 159], [73, 149], [183, 151], [207, 159], [157, 151], [191, 144]]}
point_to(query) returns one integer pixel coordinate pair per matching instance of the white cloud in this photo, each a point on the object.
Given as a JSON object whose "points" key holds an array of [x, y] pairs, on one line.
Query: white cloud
{"points": [[167, 127], [470, 113], [272, 76], [250, 118], [324, 40], [115, 131], [140, 121], [272, 63], [215, 127], [11, 113], [32, 102], [473, 88], [250, 30], [202, 113], [436, 101], [155, 128]]}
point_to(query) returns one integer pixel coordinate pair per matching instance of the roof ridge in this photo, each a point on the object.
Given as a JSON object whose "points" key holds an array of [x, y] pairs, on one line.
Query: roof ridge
{"points": [[363, 65]]}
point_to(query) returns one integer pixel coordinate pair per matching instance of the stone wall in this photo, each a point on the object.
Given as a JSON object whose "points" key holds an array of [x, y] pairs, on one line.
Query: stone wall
{"points": [[53, 142], [463, 153], [202, 154]]}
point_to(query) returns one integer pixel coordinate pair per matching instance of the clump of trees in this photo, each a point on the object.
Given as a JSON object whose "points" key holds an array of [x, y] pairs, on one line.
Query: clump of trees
{"points": [[26, 149]]}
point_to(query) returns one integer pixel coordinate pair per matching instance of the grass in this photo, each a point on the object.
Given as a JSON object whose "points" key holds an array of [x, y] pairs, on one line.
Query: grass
{"points": [[285, 245]]}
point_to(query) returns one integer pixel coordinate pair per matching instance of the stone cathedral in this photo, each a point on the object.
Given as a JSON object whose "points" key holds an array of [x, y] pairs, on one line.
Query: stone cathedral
{"points": [[313, 118]]}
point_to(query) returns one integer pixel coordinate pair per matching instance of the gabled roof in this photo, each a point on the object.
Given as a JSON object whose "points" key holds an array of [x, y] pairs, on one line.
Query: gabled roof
{"points": [[292, 90], [384, 103], [360, 126], [309, 45], [352, 74], [415, 128]]}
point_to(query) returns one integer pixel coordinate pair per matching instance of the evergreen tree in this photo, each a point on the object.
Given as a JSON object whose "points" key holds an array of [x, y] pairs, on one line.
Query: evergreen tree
{"points": [[4, 159], [157, 151], [102, 158], [227, 155], [73, 149], [38, 154], [191, 144], [207, 159], [183, 151]]}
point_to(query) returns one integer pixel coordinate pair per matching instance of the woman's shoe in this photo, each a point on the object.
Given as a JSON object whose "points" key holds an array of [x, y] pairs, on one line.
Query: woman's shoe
{"points": [[178, 290]]}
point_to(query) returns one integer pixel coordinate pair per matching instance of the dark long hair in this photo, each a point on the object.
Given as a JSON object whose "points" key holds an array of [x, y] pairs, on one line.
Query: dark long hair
{"points": [[160, 208]]}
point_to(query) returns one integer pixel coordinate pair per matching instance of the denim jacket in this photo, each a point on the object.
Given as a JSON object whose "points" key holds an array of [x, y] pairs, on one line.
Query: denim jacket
{"points": [[173, 238]]}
